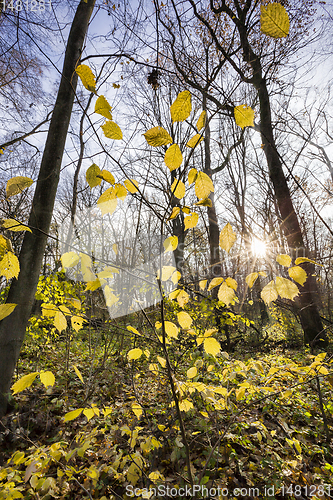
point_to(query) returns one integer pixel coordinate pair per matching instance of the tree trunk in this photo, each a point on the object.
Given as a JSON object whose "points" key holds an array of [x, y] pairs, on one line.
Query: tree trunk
{"points": [[213, 227], [22, 290]]}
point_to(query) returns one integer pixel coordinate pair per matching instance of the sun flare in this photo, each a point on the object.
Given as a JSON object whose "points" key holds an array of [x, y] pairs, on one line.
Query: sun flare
{"points": [[258, 247]]}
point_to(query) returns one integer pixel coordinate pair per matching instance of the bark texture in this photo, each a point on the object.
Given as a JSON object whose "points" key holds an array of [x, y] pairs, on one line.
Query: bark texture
{"points": [[22, 290], [213, 226]]}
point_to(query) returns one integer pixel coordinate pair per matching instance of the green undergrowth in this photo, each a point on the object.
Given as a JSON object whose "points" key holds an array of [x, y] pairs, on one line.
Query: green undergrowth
{"points": [[108, 427]]}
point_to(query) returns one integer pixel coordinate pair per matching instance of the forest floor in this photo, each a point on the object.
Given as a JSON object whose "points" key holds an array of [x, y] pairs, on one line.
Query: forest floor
{"points": [[258, 423]]}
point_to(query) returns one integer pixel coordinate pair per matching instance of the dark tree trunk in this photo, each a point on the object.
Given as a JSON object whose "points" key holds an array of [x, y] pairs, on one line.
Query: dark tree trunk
{"points": [[22, 290], [213, 227]]}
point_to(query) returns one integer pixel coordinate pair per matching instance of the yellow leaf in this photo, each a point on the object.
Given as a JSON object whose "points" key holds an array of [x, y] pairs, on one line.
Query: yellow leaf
{"points": [[49, 310], [185, 405], [227, 238], [94, 176], [76, 303], [78, 373], [210, 332], [107, 411], [14, 225], [284, 260], [191, 221], [207, 202], [176, 277], [181, 108], [170, 244], [107, 176], [133, 472], [192, 372], [184, 319], [134, 354], [250, 279], [134, 330], [9, 266], [167, 272], [182, 298], [16, 185], [6, 310], [178, 188], [60, 321], [274, 20], [203, 185], [269, 293], [87, 77], [244, 116], [89, 413], [137, 409], [71, 415], [107, 202], [110, 297], [240, 393], [298, 274], [202, 284], [153, 367], [232, 283], [194, 141], [24, 382], [77, 322], [173, 157], [192, 175], [174, 213], [120, 191], [320, 357], [286, 288], [112, 130], [157, 136], [64, 309], [186, 210], [47, 378], [5, 246], [323, 371], [201, 121], [102, 107], [214, 283], [200, 340], [17, 459], [226, 294], [161, 361], [70, 259], [173, 295], [92, 472], [156, 475], [300, 260], [131, 185], [93, 285], [171, 329], [212, 346], [115, 248]]}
